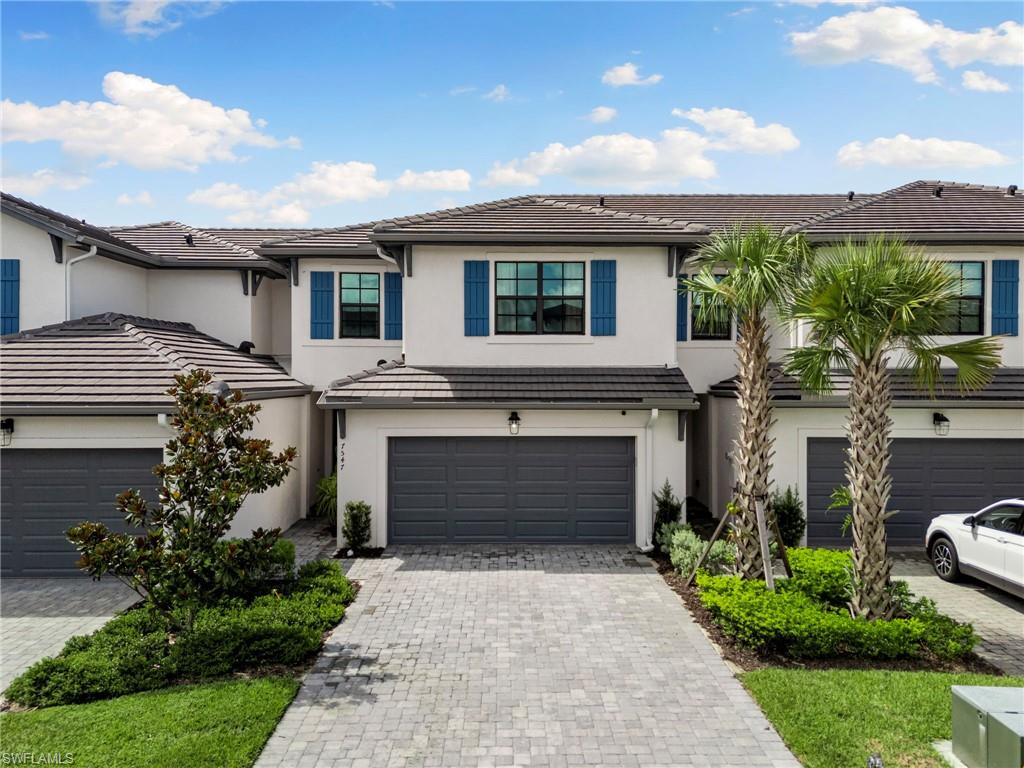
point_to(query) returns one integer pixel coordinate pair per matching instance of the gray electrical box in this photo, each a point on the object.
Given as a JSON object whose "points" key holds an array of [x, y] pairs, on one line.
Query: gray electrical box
{"points": [[1005, 740], [973, 708]]}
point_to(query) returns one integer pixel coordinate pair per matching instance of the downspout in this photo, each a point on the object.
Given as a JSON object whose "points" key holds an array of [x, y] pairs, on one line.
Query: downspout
{"points": [[649, 484], [67, 278]]}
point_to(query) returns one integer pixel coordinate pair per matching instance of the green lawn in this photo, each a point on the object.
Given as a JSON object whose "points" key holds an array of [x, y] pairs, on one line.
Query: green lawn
{"points": [[838, 718], [217, 724]]}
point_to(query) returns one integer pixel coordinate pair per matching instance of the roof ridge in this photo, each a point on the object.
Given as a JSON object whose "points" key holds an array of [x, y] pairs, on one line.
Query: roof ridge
{"points": [[112, 321], [856, 205], [366, 373], [218, 240], [447, 213], [178, 359], [122, 227], [318, 232], [704, 194], [599, 210]]}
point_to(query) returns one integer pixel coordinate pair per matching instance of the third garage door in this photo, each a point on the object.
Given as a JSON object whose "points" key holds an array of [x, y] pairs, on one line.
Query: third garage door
{"points": [[929, 477], [520, 489]]}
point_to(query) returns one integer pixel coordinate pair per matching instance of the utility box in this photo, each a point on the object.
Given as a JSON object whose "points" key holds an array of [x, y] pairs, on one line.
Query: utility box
{"points": [[973, 709], [1006, 740]]}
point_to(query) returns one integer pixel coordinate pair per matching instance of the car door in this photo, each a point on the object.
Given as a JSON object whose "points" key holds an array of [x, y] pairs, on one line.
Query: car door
{"points": [[984, 545], [1014, 558]]}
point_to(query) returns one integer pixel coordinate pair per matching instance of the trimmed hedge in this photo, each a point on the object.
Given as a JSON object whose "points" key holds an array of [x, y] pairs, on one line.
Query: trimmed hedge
{"points": [[135, 651], [807, 617]]}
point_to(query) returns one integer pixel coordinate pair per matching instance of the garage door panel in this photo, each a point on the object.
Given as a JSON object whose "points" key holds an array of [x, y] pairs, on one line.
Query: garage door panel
{"points": [[930, 477], [47, 491], [515, 489]]}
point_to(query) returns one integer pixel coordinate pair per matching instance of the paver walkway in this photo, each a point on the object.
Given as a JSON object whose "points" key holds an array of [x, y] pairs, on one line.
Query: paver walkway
{"points": [[998, 617], [475, 656]]}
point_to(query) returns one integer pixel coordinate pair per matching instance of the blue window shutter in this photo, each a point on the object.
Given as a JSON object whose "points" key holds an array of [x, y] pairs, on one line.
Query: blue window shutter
{"points": [[392, 305], [10, 296], [1005, 292], [321, 305], [476, 276], [682, 309], [602, 298]]}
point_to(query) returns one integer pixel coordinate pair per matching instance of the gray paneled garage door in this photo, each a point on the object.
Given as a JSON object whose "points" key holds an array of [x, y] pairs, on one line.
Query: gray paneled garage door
{"points": [[930, 477], [44, 492], [524, 489]]}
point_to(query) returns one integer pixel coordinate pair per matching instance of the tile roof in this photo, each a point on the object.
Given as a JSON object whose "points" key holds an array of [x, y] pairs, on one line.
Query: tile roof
{"points": [[398, 385], [354, 237], [1007, 385], [122, 363], [927, 208], [250, 238], [168, 239]]}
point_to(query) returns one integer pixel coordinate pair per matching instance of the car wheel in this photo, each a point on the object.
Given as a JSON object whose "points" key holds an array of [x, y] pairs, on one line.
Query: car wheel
{"points": [[944, 560]]}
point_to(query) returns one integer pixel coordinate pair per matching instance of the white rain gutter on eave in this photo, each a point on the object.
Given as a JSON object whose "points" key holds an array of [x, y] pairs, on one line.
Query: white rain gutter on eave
{"points": [[649, 480], [68, 263]]}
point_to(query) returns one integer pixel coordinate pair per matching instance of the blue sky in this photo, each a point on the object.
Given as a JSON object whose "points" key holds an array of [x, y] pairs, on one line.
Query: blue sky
{"points": [[127, 112]]}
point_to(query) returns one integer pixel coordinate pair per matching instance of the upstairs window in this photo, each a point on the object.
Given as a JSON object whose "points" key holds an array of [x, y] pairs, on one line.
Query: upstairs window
{"points": [[360, 305], [539, 297], [968, 316], [718, 327]]}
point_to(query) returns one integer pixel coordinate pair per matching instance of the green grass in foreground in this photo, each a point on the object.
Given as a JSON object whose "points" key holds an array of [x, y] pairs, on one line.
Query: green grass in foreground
{"points": [[216, 724], [838, 718]]}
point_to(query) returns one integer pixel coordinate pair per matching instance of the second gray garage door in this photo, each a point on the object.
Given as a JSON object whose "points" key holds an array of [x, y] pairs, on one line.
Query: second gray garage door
{"points": [[45, 492], [521, 489], [929, 477]]}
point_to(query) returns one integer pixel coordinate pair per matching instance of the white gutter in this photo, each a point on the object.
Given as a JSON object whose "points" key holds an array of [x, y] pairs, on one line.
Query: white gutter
{"points": [[67, 278], [649, 485]]}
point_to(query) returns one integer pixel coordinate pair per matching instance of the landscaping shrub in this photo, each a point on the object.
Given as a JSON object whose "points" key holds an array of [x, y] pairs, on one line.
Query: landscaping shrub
{"points": [[259, 570], [791, 623], [789, 514], [356, 525], [684, 548], [668, 507], [325, 504], [134, 651], [825, 575]]}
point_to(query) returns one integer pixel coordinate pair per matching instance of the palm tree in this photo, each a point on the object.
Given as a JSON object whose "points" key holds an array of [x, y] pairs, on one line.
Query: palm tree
{"points": [[868, 306], [760, 268]]}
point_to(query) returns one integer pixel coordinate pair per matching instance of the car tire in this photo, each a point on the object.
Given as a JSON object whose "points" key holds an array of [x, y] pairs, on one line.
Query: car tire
{"points": [[944, 560]]}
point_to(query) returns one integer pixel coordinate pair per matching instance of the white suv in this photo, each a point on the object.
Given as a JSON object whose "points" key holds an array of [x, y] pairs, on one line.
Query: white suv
{"points": [[988, 545]]}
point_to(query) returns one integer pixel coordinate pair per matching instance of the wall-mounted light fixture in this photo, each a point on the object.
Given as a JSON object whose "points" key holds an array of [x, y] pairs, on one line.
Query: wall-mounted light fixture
{"points": [[941, 423], [6, 431], [513, 423]]}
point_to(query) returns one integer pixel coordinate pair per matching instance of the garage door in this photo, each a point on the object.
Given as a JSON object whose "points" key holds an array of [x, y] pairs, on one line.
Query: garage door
{"points": [[522, 489], [929, 477], [44, 492]]}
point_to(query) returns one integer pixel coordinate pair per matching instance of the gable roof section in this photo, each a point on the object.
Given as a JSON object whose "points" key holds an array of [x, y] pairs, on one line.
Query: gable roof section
{"points": [[395, 385], [169, 241], [536, 219], [927, 210], [116, 363]]}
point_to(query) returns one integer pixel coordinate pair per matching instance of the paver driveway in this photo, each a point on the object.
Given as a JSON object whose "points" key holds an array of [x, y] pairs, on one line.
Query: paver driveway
{"points": [[37, 616], [562, 656]]}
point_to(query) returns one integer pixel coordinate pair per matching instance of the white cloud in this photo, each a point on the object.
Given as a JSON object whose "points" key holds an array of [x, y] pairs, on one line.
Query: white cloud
{"points": [[461, 89], [142, 198], [731, 129], [976, 80], [144, 124], [627, 74], [620, 159], [40, 181], [151, 18], [456, 180], [900, 38], [902, 151], [498, 93], [30, 36], [602, 114]]}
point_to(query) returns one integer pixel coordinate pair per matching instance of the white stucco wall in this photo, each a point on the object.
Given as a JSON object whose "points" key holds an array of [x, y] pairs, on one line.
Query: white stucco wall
{"points": [[102, 285], [281, 421], [280, 294], [435, 312], [211, 300], [320, 361], [42, 278], [364, 449]]}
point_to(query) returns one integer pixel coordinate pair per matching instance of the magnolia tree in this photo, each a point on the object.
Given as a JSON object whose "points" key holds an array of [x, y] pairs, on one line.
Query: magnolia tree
{"points": [[177, 561]]}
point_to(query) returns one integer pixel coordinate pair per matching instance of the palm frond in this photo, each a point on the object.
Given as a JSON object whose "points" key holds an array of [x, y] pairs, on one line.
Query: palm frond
{"points": [[813, 365]]}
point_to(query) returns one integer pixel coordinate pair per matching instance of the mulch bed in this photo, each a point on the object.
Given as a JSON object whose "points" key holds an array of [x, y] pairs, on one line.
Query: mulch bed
{"points": [[369, 552], [748, 659]]}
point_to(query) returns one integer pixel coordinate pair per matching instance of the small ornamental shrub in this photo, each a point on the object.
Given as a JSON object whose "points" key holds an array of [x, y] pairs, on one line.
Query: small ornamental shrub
{"points": [[789, 514], [325, 504], [668, 507], [356, 525], [825, 575], [685, 548]]}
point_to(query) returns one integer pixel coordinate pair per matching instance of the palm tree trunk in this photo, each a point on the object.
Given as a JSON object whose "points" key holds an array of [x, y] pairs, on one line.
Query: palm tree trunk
{"points": [[753, 449], [867, 472]]}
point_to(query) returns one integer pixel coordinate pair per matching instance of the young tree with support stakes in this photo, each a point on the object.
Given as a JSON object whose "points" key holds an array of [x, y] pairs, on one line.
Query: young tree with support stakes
{"points": [[760, 268], [868, 306]]}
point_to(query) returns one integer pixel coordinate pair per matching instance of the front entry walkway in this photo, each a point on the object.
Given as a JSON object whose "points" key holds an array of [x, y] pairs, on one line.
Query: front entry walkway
{"points": [[493, 656]]}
